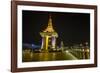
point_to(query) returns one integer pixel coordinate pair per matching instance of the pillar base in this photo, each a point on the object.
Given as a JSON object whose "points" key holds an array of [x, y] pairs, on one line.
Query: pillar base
{"points": [[44, 50]]}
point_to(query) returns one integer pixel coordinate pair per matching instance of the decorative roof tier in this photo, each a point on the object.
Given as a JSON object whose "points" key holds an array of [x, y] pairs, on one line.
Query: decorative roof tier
{"points": [[49, 30], [49, 27]]}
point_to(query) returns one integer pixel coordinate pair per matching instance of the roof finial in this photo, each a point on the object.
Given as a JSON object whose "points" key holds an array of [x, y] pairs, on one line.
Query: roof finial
{"points": [[50, 21]]}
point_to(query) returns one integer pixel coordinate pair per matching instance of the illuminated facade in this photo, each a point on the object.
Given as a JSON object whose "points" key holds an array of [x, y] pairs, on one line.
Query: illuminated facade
{"points": [[48, 37]]}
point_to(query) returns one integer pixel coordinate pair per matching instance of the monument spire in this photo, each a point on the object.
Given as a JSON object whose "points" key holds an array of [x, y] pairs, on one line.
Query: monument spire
{"points": [[50, 26], [50, 21]]}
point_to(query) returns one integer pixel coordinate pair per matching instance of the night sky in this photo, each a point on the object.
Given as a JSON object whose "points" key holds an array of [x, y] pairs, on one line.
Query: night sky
{"points": [[72, 28]]}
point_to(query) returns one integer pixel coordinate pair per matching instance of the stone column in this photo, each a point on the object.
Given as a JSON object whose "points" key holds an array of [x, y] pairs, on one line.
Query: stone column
{"points": [[42, 43], [46, 48], [53, 42]]}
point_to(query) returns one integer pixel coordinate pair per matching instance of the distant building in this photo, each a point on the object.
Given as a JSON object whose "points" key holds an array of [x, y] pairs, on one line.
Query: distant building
{"points": [[49, 36]]}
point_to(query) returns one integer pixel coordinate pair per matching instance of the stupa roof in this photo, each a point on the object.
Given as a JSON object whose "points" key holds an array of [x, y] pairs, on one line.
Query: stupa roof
{"points": [[50, 26]]}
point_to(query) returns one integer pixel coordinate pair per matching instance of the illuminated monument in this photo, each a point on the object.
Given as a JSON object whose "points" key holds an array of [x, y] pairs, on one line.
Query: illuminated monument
{"points": [[48, 37]]}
